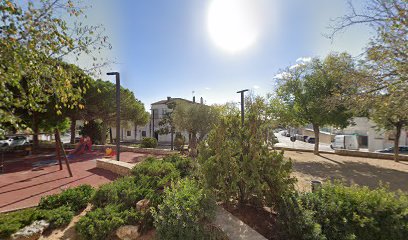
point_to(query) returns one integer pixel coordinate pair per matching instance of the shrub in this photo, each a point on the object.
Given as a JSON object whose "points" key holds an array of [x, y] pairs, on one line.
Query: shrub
{"points": [[358, 212], [12, 222], [295, 222], [183, 164], [155, 174], [179, 141], [58, 217], [75, 198], [185, 210], [101, 222], [123, 190], [149, 142], [92, 129]]}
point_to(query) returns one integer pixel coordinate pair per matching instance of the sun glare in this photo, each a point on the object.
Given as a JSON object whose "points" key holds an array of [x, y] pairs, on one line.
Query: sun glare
{"points": [[233, 25]]}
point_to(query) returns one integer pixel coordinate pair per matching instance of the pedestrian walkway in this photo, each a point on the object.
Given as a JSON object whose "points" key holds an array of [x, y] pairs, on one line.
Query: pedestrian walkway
{"points": [[235, 228]]}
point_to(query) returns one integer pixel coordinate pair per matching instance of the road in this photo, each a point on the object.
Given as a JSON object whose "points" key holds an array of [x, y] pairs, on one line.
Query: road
{"points": [[285, 142]]}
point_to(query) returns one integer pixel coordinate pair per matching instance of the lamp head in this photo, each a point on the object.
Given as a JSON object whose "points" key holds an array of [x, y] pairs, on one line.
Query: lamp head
{"points": [[112, 73]]}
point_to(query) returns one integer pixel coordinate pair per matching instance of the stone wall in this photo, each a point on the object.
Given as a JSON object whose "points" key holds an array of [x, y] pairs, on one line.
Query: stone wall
{"points": [[118, 167], [369, 154]]}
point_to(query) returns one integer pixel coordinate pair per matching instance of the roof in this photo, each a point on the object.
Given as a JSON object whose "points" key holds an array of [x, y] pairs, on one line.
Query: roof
{"points": [[171, 100]]}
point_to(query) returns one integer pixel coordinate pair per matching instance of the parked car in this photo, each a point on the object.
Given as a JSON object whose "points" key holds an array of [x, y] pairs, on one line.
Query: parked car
{"points": [[12, 141], [283, 133], [402, 150], [299, 137], [311, 140]]}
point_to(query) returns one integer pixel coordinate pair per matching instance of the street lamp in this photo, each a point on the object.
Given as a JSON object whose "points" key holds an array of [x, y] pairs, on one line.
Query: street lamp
{"points": [[117, 112], [242, 104]]}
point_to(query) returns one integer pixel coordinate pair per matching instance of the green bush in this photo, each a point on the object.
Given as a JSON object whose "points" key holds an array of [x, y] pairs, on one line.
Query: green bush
{"points": [[75, 198], [123, 190], [295, 222], [14, 221], [149, 142], [155, 174], [358, 212], [58, 217], [93, 129], [100, 223], [179, 141], [183, 164], [185, 210]]}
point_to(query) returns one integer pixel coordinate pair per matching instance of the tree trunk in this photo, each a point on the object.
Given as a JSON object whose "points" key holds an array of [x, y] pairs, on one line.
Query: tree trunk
{"points": [[57, 148], [193, 144], [110, 136], [35, 130], [396, 141], [316, 131], [72, 129], [103, 133], [172, 139], [61, 147]]}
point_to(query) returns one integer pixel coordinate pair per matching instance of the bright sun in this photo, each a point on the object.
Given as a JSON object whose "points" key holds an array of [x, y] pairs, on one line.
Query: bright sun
{"points": [[233, 25]]}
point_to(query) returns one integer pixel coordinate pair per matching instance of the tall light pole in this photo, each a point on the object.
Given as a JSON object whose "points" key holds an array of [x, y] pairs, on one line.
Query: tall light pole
{"points": [[117, 113], [242, 104]]}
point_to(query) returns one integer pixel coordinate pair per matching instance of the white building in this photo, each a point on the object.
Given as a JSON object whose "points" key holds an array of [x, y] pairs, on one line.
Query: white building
{"points": [[371, 137]]}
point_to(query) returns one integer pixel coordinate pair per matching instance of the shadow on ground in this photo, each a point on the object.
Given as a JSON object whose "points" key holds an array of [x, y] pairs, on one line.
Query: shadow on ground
{"points": [[354, 173]]}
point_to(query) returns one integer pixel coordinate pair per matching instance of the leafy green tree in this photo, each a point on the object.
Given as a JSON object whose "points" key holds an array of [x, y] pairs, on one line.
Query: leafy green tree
{"points": [[196, 119], [100, 103], [33, 39], [237, 162], [313, 93], [384, 84]]}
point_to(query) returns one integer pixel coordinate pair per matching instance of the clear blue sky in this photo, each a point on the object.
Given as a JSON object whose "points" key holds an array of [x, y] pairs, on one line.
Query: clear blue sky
{"points": [[163, 48]]}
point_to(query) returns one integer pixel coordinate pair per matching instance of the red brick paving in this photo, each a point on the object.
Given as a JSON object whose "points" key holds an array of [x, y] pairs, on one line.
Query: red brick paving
{"points": [[22, 186]]}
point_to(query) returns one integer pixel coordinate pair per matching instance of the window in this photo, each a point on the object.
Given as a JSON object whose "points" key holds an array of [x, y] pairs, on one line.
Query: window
{"points": [[128, 133], [143, 133]]}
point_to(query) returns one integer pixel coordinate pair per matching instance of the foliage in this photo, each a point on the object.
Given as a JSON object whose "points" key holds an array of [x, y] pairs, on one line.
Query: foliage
{"points": [[197, 119], [383, 88], [123, 191], [75, 198], [93, 129], [295, 222], [149, 142], [179, 141], [183, 164], [101, 222], [155, 174], [236, 161], [340, 212], [57, 217], [33, 38], [358, 212], [14, 221], [314, 92], [100, 104], [185, 210]]}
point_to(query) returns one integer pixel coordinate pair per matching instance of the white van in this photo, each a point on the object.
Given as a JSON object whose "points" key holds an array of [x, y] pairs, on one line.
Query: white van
{"points": [[345, 142]]}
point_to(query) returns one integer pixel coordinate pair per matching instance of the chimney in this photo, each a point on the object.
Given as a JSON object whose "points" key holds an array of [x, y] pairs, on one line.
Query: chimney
{"points": [[201, 100], [194, 99], [168, 98]]}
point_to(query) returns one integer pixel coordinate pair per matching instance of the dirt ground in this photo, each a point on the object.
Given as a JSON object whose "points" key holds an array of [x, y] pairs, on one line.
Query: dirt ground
{"points": [[352, 170]]}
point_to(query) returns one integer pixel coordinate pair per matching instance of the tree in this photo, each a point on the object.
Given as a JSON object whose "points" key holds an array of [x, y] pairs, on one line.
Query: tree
{"points": [[237, 162], [100, 103], [33, 40], [196, 119], [166, 124], [384, 86], [390, 113], [312, 93]]}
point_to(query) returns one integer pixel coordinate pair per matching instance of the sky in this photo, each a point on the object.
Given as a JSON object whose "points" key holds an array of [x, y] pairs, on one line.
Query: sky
{"points": [[169, 48]]}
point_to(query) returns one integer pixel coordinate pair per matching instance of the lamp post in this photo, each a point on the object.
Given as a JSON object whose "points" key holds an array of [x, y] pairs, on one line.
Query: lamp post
{"points": [[117, 113], [242, 104]]}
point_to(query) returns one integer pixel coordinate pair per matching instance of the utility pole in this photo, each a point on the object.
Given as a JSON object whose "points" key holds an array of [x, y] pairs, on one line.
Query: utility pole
{"points": [[242, 104], [117, 113]]}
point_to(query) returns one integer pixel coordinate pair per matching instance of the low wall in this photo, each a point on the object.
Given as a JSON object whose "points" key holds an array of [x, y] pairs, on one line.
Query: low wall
{"points": [[152, 151], [369, 154], [118, 167]]}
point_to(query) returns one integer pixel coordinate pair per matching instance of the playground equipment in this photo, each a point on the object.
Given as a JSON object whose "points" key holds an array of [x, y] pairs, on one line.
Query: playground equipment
{"points": [[109, 152]]}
